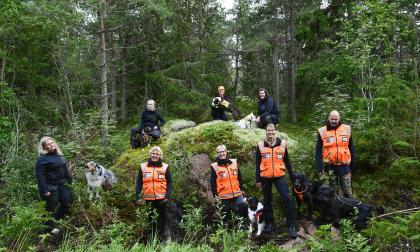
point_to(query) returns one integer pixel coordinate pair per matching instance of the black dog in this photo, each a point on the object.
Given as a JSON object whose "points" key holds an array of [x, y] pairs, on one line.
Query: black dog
{"points": [[334, 208], [302, 190]]}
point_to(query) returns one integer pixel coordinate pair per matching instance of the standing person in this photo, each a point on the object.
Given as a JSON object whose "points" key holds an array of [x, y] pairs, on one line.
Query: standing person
{"points": [[226, 184], [218, 110], [154, 185], [150, 123], [272, 159], [267, 109], [335, 148], [52, 175]]}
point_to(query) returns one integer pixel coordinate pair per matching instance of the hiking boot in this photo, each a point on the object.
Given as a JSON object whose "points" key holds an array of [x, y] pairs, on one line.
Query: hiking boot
{"points": [[292, 232]]}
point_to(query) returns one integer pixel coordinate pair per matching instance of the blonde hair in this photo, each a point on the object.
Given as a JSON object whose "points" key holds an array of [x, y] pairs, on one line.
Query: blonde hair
{"points": [[43, 141], [158, 149], [221, 148], [153, 102]]}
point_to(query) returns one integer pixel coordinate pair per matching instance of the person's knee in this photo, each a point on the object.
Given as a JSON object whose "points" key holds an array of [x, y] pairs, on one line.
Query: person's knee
{"points": [[155, 134]]}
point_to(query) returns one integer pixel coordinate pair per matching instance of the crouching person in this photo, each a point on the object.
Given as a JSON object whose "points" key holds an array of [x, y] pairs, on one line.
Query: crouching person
{"points": [[226, 184], [52, 175], [154, 185]]}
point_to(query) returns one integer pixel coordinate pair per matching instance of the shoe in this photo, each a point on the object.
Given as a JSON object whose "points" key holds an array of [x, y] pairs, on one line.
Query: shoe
{"points": [[268, 228], [292, 232], [55, 231]]}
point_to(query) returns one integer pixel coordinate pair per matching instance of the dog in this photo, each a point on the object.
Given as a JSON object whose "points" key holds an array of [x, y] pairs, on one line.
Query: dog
{"points": [[255, 215], [218, 102], [97, 176], [302, 190], [334, 208], [246, 122]]}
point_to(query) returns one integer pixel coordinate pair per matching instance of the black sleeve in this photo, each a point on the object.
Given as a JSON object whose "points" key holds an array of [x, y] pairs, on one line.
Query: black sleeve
{"points": [[142, 120], [168, 177], [288, 164], [40, 170], [139, 184], [257, 165], [318, 154], [352, 153], [213, 186], [161, 120]]}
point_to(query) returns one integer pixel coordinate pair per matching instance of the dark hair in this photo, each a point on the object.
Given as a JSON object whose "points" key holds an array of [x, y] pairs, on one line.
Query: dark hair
{"points": [[265, 91]]}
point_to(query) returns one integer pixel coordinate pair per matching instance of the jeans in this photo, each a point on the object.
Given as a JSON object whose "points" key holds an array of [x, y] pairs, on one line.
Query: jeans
{"points": [[63, 196], [237, 205]]}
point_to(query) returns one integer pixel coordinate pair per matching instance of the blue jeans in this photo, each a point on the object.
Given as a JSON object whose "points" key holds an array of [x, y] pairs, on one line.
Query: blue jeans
{"points": [[283, 190]]}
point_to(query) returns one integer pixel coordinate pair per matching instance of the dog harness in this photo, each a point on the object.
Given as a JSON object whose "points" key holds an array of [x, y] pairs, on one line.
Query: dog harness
{"points": [[227, 182], [154, 181], [335, 145], [272, 160], [299, 194]]}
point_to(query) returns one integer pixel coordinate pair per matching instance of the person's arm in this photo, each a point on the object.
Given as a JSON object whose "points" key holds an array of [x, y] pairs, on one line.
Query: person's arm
{"points": [[318, 154], [40, 170], [142, 120], [161, 120], [257, 165], [213, 178], [168, 177], [139, 184], [288, 165], [352, 154], [241, 185], [268, 107]]}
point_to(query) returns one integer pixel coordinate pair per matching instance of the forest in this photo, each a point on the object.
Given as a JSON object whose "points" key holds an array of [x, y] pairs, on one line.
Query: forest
{"points": [[82, 71]]}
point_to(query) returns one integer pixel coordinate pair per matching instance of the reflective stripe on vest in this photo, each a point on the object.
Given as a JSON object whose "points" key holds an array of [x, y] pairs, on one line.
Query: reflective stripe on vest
{"points": [[227, 180], [272, 160], [335, 145], [154, 181]]}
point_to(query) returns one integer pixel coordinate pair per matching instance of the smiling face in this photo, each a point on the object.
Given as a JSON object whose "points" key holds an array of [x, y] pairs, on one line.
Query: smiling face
{"points": [[334, 118], [270, 132], [221, 91], [261, 94], [154, 155], [150, 105], [49, 146], [222, 153]]}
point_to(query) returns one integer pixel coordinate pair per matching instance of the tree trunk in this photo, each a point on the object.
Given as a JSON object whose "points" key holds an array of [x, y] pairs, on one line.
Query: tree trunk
{"points": [[291, 61], [103, 76], [113, 95], [123, 75], [275, 57]]}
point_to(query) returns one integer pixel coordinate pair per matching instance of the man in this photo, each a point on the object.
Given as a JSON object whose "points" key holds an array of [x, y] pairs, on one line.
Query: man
{"points": [[335, 148], [226, 184], [267, 109], [272, 159]]}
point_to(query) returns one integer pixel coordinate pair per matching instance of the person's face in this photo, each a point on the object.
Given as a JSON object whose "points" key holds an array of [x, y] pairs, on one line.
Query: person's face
{"points": [[154, 156], [221, 91], [150, 106], [333, 119], [270, 132], [261, 94], [222, 154], [49, 146]]}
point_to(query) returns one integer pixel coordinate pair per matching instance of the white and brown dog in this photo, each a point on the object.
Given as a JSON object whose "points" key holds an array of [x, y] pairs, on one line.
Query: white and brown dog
{"points": [[97, 176], [247, 121], [255, 215]]}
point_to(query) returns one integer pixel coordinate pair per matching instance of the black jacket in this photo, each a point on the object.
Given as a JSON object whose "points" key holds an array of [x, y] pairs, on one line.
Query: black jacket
{"points": [[285, 158], [220, 110], [151, 119], [213, 175], [268, 107], [168, 177], [318, 152], [51, 170]]}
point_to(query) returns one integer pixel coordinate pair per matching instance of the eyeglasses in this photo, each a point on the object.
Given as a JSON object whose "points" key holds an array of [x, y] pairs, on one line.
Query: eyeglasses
{"points": [[219, 152]]}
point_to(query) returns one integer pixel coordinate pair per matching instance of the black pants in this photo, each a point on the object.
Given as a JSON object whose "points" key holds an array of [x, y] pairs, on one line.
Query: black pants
{"points": [[155, 134], [160, 207], [218, 114], [283, 190], [237, 206], [61, 195], [266, 120]]}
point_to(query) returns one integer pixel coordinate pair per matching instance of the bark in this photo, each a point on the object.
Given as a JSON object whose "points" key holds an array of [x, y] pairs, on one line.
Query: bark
{"points": [[123, 53], [291, 61], [103, 77], [112, 81], [275, 58]]}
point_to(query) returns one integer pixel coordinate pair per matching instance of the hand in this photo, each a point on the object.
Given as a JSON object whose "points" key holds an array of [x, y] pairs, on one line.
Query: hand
{"points": [[257, 120], [155, 127], [259, 185], [139, 202], [47, 194]]}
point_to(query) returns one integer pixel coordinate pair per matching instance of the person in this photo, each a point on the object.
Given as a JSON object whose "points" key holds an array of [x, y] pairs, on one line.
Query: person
{"points": [[154, 185], [335, 148], [272, 159], [226, 184], [52, 174], [218, 110], [267, 109], [150, 123]]}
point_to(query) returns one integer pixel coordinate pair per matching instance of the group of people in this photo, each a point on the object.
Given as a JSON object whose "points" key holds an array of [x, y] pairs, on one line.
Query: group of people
{"points": [[334, 154]]}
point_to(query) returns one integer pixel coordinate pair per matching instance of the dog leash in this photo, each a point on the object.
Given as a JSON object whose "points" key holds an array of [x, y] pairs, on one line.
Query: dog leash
{"points": [[345, 203], [300, 194]]}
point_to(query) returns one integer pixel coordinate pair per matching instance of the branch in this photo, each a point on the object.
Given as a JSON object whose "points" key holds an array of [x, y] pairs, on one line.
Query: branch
{"points": [[401, 211]]}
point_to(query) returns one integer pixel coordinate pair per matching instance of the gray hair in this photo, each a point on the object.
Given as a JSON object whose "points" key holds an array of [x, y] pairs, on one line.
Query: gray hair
{"points": [[158, 149], [41, 145], [221, 148]]}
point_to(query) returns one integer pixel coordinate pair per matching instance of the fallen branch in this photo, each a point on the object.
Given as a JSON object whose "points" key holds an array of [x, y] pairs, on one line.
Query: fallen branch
{"points": [[401, 211]]}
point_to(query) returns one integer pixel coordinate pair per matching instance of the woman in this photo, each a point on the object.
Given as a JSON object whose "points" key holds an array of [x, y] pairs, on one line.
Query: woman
{"points": [[150, 123], [267, 109], [154, 185], [52, 175], [226, 184]]}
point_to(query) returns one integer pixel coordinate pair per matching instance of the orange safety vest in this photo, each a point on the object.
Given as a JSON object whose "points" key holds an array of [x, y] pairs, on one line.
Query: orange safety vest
{"points": [[272, 160], [335, 145], [227, 182], [154, 181]]}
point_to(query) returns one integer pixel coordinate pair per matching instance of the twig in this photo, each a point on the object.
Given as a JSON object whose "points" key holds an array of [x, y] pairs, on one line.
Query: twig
{"points": [[401, 211]]}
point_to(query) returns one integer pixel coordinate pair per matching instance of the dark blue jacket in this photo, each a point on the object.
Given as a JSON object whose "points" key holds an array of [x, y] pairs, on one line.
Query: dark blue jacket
{"points": [[51, 170], [151, 119], [268, 107]]}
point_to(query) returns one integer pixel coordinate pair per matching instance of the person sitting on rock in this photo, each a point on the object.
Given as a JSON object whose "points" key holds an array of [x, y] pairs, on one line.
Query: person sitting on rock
{"points": [[220, 104], [150, 123], [267, 109]]}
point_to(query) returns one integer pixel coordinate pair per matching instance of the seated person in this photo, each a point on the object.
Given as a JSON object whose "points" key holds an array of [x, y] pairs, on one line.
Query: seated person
{"points": [[267, 109], [150, 124], [220, 104]]}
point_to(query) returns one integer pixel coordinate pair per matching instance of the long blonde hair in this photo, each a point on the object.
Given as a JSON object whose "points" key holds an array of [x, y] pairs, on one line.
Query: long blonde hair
{"points": [[41, 144]]}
